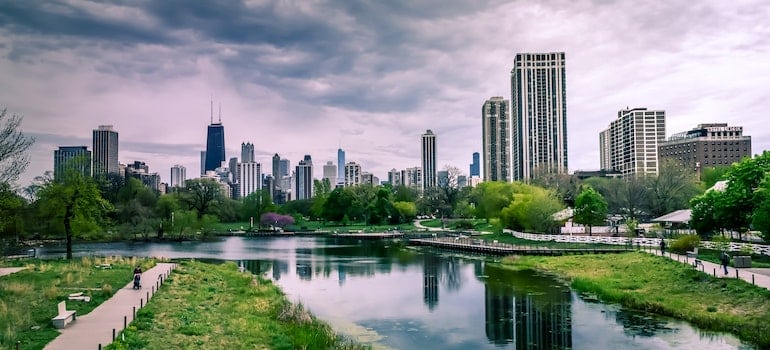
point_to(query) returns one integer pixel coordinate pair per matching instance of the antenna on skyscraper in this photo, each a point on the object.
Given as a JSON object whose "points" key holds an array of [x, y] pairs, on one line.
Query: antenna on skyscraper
{"points": [[212, 108], [220, 112]]}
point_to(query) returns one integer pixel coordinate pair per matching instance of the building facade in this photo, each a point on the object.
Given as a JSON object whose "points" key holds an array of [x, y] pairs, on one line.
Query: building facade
{"points": [[249, 178], [215, 146], [178, 176], [428, 159], [352, 174], [71, 158], [538, 115], [707, 145], [475, 167], [629, 146], [247, 152], [330, 173], [496, 145], [105, 151], [340, 166], [303, 179], [394, 178], [412, 177]]}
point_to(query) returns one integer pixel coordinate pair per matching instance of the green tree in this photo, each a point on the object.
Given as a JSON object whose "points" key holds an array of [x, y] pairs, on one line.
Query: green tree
{"points": [[405, 194], [738, 199], [76, 203], [671, 189], [381, 209], [590, 208], [13, 147], [710, 175], [338, 205], [406, 211], [490, 198], [532, 209], [12, 208], [164, 207], [760, 217], [257, 204], [199, 195], [704, 217]]}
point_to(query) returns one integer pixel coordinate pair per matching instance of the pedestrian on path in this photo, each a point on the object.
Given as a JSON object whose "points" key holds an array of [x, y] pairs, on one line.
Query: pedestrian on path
{"points": [[725, 259], [662, 246]]}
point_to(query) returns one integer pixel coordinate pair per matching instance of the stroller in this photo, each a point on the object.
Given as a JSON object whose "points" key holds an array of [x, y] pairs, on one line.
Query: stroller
{"points": [[137, 279]]}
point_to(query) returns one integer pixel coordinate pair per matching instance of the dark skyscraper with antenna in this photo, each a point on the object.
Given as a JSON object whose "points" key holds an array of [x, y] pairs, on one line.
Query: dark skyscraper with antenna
{"points": [[215, 142]]}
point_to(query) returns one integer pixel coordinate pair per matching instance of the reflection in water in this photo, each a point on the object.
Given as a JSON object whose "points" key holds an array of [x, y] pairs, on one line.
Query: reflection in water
{"points": [[532, 314], [279, 267], [430, 281], [305, 263]]}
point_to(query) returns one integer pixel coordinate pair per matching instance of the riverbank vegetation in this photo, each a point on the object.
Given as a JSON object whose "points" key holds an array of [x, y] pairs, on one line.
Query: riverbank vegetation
{"points": [[208, 306], [663, 286], [28, 298]]}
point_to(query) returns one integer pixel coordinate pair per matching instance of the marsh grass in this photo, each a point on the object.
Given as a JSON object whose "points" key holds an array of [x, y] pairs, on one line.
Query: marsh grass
{"points": [[28, 298], [213, 306], [656, 284]]}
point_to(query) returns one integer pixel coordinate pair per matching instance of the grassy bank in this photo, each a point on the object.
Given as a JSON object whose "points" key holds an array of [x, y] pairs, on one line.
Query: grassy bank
{"points": [[207, 306], [645, 282], [28, 298]]}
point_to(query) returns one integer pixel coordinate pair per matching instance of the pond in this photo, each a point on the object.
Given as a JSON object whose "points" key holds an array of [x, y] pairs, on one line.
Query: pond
{"points": [[397, 297]]}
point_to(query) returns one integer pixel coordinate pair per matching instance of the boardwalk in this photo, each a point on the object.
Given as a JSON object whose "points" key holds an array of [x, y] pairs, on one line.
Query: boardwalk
{"points": [[98, 327], [373, 235], [494, 248], [754, 276]]}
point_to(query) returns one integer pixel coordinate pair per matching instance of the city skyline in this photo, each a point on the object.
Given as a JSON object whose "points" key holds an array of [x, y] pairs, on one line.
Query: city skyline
{"points": [[371, 77]]}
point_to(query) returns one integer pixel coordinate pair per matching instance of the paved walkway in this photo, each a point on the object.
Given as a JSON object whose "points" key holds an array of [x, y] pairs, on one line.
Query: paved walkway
{"points": [[756, 276], [9, 270], [96, 328]]}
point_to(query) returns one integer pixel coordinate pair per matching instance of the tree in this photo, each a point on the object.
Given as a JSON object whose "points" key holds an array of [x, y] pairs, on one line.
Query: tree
{"points": [[671, 189], [406, 211], [76, 203], [490, 198], [256, 205], [13, 147], [405, 194], [11, 211], [532, 209], [338, 204], [199, 195], [590, 208], [381, 209], [166, 205], [760, 217]]}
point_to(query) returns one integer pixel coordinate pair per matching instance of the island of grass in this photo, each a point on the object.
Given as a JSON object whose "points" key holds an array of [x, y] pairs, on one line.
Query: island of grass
{"points": [[656, 284], [215, 306]]}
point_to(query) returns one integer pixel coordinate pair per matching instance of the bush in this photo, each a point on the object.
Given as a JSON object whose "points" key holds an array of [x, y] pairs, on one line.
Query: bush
{"points": [[685, 243], [464, 225]]}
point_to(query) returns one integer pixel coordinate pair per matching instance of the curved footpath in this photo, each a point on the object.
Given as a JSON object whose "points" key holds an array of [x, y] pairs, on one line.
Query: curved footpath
{"points": [[757, 276], [96, 329]]}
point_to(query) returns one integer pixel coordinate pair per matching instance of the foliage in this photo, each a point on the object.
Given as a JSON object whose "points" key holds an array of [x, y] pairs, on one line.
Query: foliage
{"points": [[705, 214], [11, 211], [631, 226], [760, 217], [255, 205], [13, 147], [531, 210], [199, 195], [710, 175], [490, 198], [406, 211], [684, 244], [275, 219], [670, 190], [590, 208]]}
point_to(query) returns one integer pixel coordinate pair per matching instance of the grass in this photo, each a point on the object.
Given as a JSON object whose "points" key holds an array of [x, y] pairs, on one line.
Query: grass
{"points": [[508, 238], [209, 306], [28, 298], [656, 284], [712, 255]]}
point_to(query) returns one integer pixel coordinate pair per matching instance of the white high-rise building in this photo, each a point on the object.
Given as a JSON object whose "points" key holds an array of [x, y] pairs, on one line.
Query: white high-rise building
{"points": [[249, 178], [630, 144], [412, 177], [105, 151], [394, 178], [352, 174], [428, 159], [303, 179], [496, 134], [539, 115], [178, 176], [330, 173]]}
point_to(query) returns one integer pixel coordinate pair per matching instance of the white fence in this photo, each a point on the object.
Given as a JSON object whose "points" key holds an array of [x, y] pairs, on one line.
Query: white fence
{"points": [[755, 248]]}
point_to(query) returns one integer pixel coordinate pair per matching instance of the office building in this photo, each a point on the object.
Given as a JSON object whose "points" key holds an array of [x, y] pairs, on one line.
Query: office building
{"points": [[215, 143], [442, 178], [141, 171], [629, 145], [412, 177], [203, 162], [330, 173], [394, 178], [178, 176], [247, 152], [340, 166], [707, 145], [71, 158], [369, 179], [428, 159], [276, 169], [232, 168], [249, 178], [352, 174], [496, 145], [538, 115], [303, 181], [475, 168], [284, 166], [105, 151]]}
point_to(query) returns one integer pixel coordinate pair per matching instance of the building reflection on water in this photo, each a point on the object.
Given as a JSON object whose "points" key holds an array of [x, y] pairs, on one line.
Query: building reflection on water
{"points": [[522, 310], [430, 277]]}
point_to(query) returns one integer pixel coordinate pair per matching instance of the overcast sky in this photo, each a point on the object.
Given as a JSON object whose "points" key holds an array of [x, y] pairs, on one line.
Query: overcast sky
{"points": [[305, 77]]}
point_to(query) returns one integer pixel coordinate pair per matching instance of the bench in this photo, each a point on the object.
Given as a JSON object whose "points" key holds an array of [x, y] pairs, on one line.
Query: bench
{"points": [[65, 316], [694, 255], [79, 296], [104, 266]]}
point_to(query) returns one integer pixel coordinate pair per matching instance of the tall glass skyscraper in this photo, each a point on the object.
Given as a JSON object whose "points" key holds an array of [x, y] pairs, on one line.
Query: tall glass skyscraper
{"points": [[475, 166], [105, 151], [539, 115], [215, 146], [496, 144], [66, 158], [340, 166], [428, 159]]}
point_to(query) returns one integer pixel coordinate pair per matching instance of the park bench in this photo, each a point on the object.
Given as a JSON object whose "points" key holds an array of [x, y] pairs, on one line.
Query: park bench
{"points": [[65, 316], [694, 255], [79, 296], [104, 266]]}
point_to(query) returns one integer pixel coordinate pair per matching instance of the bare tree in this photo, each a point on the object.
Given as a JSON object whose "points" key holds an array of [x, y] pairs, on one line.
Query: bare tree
{"points": [[13, 147]]}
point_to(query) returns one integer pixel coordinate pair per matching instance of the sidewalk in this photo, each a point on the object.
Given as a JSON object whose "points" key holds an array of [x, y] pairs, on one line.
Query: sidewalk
{"points": [[749, 275], [97, 327]]}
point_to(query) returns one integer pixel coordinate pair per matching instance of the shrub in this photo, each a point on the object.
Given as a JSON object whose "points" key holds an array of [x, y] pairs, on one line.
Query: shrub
{"points": [[464, 225], [685, 243]]}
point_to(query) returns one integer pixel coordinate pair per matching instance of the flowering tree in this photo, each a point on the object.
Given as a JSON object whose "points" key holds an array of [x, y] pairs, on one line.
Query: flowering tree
{"points": [[276, 220]]}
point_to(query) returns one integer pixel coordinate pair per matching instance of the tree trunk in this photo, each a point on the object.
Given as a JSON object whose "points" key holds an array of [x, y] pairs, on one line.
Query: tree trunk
{"points": [[68, 229]]}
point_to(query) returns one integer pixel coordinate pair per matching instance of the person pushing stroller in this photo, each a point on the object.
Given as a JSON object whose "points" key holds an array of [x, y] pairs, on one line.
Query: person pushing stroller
{"points": [[137, 277]]}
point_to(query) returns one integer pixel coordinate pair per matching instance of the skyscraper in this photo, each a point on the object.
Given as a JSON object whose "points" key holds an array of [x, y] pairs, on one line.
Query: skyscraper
{"points": [[630, 144], [428, 159], [247, 152], [539, 115], [215, 143], [66, 158], [249, 178], [352, 174], [330, 173], [340, 166], [276, 169], [203, 162], [475, 166], [706, 146], [304, 178], [496, 146], [178, 176], [284, 167], [105, 151]]}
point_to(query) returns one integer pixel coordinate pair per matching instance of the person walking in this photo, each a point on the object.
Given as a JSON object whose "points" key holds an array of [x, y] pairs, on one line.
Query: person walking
{"points": [[725, 259], [662, 246]]}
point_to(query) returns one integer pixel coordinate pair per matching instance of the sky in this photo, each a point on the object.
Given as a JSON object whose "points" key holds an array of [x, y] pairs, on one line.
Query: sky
{"points": [[308, 77]]}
